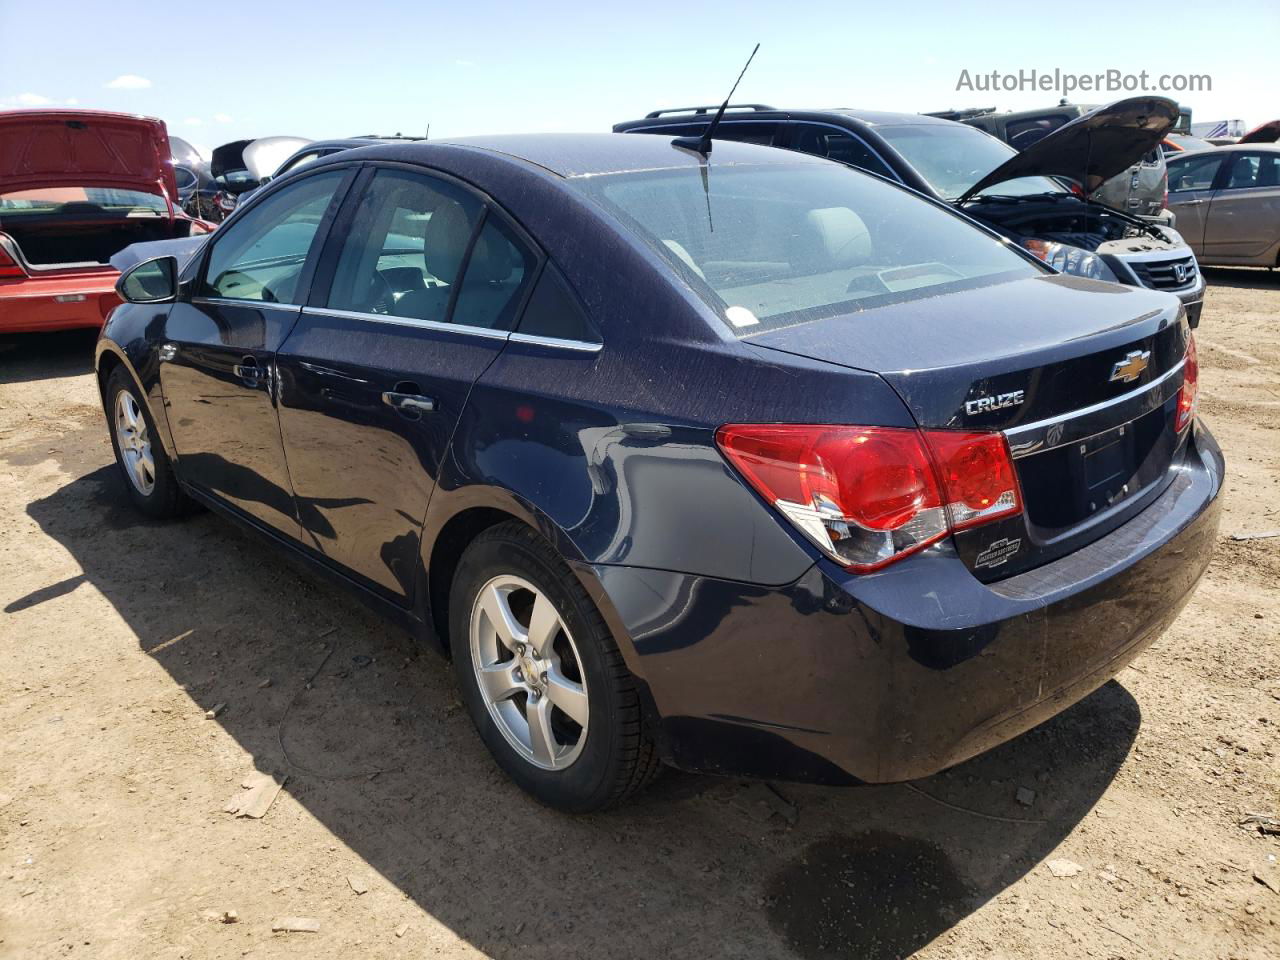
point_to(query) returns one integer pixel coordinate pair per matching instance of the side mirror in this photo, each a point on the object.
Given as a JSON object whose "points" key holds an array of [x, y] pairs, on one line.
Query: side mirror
{"points": [[151, 281]]}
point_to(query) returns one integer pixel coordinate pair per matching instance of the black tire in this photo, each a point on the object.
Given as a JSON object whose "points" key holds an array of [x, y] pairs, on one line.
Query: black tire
{"points": [[165, 500], [618, 757]]}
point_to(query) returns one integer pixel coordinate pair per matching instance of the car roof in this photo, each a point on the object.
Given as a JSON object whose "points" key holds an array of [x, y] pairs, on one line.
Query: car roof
{"points": [[1237, 147], [594, 154]]}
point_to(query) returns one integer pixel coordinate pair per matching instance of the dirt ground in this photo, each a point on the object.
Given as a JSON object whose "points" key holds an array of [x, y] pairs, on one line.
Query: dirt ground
{"points": [[117, 635]]}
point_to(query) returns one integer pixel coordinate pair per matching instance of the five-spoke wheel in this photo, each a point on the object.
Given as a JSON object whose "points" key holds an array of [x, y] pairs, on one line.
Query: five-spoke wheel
{"points": [[134, 443]]}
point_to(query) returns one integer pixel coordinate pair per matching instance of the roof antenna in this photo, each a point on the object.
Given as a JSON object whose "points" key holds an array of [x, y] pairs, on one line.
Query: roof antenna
{"points": [[702, 144]]}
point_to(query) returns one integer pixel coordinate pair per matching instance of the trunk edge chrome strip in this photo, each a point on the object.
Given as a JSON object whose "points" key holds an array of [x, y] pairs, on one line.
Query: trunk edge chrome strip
{"points": [[1034, 437]]}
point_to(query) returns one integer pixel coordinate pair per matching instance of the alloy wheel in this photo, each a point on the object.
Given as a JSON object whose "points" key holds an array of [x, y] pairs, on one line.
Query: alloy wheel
{"points": [[529, 673], [135, 443]]}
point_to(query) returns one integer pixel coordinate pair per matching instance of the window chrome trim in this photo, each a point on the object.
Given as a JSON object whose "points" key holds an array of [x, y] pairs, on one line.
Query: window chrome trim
{"points": [[584, 346], [1068, 428], [486, 332], [237, 302]]}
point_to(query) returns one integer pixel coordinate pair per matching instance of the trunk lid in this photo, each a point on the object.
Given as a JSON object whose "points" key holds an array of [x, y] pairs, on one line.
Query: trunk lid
{"points": [[78, 148], [1081, 376], [1091, 149]]}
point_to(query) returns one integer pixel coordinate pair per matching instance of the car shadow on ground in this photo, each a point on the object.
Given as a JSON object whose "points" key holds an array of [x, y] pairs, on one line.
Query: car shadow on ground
{"points": [[380, 752], [45, 356], [1242, 278]]}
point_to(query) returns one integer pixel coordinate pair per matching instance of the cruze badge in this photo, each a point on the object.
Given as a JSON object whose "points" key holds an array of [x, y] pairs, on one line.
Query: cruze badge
{"points": [[1131, 367], [999, 401]]}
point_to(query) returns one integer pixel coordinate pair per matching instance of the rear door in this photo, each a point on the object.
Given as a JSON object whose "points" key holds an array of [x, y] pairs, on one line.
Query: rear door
{"points": [[1243, 221], [1191, 180], [419, 285], [217, 362]]}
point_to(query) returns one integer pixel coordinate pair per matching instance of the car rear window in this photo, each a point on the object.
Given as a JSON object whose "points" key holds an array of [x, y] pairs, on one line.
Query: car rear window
{"points": [[82, 200], [768, 246]]}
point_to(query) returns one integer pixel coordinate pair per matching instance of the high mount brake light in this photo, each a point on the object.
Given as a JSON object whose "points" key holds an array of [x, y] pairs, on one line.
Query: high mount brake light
{"points": [[868, 496], [1189, 395]]}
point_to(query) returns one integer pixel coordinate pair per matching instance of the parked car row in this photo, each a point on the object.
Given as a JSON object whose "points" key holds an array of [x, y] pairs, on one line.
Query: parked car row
{"points": [[77, 186], [696, 451]]}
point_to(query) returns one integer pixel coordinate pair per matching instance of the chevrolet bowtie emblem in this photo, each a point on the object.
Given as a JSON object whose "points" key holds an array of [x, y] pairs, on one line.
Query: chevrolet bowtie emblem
{"points": [[1131, 367]]}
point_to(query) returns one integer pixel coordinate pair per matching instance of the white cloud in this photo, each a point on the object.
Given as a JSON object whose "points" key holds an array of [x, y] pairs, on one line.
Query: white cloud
{"points": [[221, 118], [193, 122], [29, 100], [129, 81], [35, 100]]}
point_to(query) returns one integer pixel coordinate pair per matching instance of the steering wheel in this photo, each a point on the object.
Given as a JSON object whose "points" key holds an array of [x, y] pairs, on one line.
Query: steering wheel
{"points": [[382, 296]]}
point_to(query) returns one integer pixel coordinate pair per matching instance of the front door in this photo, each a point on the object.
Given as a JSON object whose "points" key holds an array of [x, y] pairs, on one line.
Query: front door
{"points": [[217, 364], [1190, 190], [415, 295]]}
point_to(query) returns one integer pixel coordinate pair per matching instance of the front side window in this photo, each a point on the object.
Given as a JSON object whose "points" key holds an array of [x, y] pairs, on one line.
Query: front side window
{"points": [[1194, 173], [952, 157], [1023, 133], [768, 246], [823, 141], [260, 255]]}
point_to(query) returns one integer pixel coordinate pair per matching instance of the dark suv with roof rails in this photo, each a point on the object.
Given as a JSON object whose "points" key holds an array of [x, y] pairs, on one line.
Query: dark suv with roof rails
{"points": [[961, 165]]}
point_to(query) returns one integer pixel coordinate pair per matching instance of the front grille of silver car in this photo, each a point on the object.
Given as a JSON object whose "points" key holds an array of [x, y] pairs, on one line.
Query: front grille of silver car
{"points": [[1162, 274]]}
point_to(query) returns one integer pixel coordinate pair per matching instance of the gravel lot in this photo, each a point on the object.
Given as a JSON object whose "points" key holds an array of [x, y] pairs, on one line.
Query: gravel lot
{"points": [[118, 635]]}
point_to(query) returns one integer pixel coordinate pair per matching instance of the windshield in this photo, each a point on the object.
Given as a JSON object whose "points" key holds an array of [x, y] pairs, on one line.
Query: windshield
{"points": [[953, 157], [82, 200], [773, 245]]}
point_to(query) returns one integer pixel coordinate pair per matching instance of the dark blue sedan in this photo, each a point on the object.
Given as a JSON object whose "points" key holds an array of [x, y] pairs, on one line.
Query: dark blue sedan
{"points": [[750, 463]]}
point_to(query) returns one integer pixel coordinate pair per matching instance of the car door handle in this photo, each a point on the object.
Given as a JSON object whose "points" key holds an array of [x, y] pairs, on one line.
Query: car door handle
{"points": [[411, 405], [252, 374]]}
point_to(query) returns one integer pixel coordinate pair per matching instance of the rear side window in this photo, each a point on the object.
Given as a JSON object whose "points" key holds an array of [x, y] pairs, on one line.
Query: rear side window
{"points": [[405, 247], [837, 145], [1252, 170], [554, 311], [1021, 134], [260, 254], [498, 272], [1194, 173], [767, 246]]}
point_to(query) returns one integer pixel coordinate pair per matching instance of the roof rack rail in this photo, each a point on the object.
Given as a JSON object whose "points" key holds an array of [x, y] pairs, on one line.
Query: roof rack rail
{"points": [[701, 111]]}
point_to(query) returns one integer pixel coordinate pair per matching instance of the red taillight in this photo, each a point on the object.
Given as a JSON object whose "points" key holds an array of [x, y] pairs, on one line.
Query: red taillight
{"points": [[1189, 395], [9, 268], [871, 495]]}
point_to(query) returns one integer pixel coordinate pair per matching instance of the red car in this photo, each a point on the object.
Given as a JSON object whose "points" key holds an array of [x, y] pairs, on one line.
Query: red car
{"points": [[76, 187]]}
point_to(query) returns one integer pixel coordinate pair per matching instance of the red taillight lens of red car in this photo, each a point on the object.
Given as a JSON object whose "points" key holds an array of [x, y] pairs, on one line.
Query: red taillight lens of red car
{"points": [[1189, 395], [9, 268], [868, 496]]}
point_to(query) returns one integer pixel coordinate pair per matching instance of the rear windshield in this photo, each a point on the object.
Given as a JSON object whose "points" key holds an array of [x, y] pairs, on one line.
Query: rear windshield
{"points": [[768, 246], [952, 157], [81, 200]]}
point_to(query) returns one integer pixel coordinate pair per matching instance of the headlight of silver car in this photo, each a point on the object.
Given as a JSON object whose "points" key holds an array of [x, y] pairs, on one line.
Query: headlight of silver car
{"points": [[1068, 259]]}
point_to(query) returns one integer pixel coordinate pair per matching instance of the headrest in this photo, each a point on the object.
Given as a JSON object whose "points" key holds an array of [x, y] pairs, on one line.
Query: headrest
{"points": [[445, 240], [842, 239]]}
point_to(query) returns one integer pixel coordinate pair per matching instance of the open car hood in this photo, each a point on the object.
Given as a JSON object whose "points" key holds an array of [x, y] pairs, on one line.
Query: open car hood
{"points": [[1091, 149], [79, 148], [263, 157], [1268, 132], [228, 157]]}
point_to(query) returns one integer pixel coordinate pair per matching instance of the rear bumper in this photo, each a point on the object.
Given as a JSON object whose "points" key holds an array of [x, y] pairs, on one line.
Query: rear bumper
{"points": [[897, 675], [57, 303]]}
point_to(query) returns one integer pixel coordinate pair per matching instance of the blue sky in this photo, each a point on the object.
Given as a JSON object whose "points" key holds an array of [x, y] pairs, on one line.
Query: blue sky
{"points": [[329, 68]]}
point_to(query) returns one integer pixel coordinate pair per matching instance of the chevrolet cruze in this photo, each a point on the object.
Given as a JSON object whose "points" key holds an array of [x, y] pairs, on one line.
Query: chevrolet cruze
{"points": [[743, 461]]}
